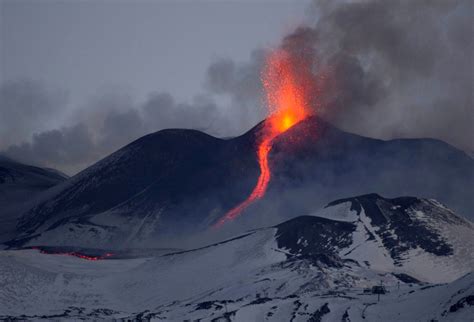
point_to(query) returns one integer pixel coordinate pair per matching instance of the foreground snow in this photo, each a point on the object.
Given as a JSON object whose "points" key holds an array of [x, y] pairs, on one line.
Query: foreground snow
{"points": [[218, 281], [308, 268]]}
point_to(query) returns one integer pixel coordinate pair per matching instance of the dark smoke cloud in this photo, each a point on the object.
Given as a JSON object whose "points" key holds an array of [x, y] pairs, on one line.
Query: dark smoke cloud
{"points": [[400, 68], [241, 83], [62, 148], [107, 123], [112, 119], [202, 113], [26, 106]]}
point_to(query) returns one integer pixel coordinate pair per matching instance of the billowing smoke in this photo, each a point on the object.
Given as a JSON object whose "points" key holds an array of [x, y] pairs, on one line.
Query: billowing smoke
{"points": [[240, 82], [26, 107], [393, 69], [105, 124], [400, 68]]}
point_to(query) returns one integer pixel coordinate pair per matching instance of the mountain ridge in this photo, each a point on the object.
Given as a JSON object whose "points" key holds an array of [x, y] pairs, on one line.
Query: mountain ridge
{"points": [[20, 184], [184, 180]]}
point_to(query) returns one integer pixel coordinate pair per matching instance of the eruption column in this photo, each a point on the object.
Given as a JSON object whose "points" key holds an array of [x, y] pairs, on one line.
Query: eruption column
{"points": [[287, 80]]}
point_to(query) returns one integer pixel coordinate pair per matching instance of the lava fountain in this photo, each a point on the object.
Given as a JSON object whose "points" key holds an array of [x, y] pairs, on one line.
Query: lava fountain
{"points": [[288, 83]]}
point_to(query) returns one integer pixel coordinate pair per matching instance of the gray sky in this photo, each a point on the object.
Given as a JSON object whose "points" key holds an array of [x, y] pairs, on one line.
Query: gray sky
{"points": [[141, 46]]}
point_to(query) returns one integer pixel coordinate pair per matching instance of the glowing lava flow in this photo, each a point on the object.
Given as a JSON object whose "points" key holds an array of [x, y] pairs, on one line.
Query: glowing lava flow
{"points": [[287, 81], [79, 255], [261, 186], [75, 254]]}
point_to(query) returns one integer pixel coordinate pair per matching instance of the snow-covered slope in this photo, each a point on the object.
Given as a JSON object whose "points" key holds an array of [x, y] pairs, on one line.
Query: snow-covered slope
{"points": [[406, 235], [19, 185], [308, 267], [403, 235]]}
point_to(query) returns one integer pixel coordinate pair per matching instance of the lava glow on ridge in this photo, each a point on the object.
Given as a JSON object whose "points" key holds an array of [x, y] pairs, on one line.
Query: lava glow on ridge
{"points": [[74, 254], [288, 83]]}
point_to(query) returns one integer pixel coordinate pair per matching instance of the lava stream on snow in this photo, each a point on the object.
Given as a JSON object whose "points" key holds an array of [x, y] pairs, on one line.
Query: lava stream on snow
{"points": [[82, 255], [290, 88]]}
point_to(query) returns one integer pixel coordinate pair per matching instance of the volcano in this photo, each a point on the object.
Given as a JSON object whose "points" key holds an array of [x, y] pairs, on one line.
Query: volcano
{"points": [[178, 182]]}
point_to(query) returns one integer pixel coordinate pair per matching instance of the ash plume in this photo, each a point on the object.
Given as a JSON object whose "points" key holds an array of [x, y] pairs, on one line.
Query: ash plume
{"points": [[400, 68], [392, 68]]}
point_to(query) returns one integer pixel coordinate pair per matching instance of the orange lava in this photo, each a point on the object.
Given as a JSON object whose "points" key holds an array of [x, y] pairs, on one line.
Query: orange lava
{"points": [[75, 254], [287, 84], [261, 186]]}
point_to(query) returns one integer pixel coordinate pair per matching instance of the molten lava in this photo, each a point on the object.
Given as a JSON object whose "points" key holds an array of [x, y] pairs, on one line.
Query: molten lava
{"points": [[74, 253], [287, 81]]}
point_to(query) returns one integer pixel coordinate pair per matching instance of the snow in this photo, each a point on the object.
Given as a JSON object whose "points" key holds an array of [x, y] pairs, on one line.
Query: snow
{"points": [[250, 278], [365, 250], [416, 262], [248, 275], [340, 212]]}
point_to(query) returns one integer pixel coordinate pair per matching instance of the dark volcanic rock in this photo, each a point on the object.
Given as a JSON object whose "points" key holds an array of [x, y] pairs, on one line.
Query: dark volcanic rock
{"points": [[180, 181], [315, 238], [463, 302], [19, 185], [397, 223]]}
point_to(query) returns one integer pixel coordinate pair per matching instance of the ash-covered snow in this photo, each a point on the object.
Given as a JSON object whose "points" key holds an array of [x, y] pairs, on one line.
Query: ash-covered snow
{"points": [[414, 236], [198, 285], [307, 268]]}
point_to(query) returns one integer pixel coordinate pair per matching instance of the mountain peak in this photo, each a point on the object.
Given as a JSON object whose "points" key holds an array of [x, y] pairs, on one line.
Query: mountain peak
{"points": [[180, 181]]}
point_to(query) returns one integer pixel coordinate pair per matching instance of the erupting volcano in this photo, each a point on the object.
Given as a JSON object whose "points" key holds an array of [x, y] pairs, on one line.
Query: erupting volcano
{"points": [[289, 85]]}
